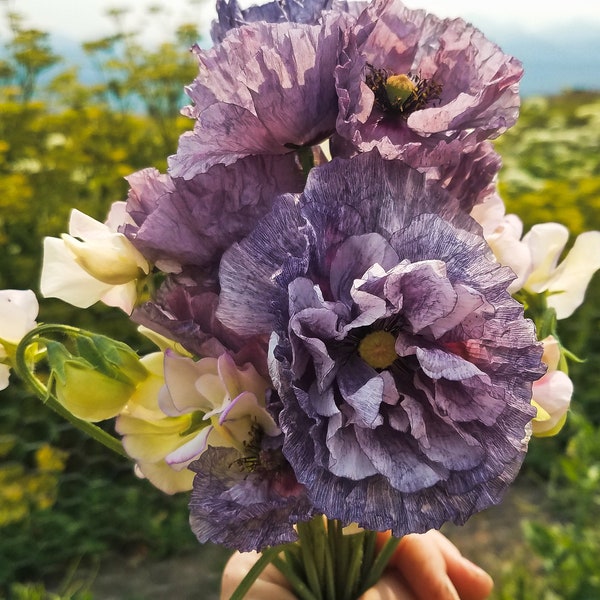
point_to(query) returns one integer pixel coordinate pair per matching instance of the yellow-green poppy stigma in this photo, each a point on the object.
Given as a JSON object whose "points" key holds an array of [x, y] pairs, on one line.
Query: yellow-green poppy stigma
{"points": [[399, 88], [377, 349]]}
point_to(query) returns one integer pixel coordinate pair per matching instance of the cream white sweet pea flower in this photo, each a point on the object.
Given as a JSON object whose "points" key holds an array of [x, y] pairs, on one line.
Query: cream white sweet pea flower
{"points": [[93, 262], [534, 257], [564, 283], [18, 312], [503, 234]]}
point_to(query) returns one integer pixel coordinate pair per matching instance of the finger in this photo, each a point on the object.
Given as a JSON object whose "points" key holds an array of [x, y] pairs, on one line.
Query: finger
{"points": [[471, 581], [421, 563], [270, 584], [389, 587]]}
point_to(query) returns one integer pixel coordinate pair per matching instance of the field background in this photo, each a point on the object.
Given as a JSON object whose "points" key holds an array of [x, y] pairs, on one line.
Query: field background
{"points": [[75, 523]]}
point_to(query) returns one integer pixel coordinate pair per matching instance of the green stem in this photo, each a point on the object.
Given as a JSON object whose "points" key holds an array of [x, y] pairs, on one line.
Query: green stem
{"points": [[381, 562], [370, 542], [340, 556], [266, 558], [26, 373], [306, 534], [329, 572], [355, 545], [300, 588]]}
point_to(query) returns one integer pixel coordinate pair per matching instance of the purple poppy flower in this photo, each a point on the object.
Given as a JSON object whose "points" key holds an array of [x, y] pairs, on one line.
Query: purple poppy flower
{"points": [[192, 222], [410, 77], [185, 313], [404, 366], [467, 170], [230, 15], [267, 89], [246, 504]]}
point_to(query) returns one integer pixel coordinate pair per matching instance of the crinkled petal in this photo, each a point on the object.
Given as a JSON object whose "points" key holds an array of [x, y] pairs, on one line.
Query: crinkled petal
{"points": [[192, 222], [241, 510], [266, 89]]}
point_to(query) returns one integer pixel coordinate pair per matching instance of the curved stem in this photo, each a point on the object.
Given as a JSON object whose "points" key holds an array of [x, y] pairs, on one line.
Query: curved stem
{"points": [[26, 373]]}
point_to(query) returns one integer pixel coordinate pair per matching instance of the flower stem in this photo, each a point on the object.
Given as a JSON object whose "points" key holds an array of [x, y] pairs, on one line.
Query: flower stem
{"points": [[379, 565], [266, 558], [369, 553], [25, 370], [307, 547], [299, 586], [355, 544]]}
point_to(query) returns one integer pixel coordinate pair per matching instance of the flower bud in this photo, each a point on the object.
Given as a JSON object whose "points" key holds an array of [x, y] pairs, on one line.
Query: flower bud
{"points": [[551, 393], [93, 262], [97, 380], [89, 394]]}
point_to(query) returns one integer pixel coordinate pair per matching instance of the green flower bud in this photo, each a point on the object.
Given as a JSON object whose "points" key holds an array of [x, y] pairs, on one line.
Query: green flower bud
{"points": [[96, 380], [89, 394]]}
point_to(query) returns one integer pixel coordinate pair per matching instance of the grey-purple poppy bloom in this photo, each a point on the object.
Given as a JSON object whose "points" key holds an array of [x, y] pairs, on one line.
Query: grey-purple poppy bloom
{"points": [[467, 170], [243, 504], [190, 223], [267, 89], [230, 15], [409, 77], [404, 366], [185, 313]]}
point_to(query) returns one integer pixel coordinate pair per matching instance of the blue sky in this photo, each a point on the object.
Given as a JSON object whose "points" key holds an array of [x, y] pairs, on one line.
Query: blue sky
{"points": [[84, 19]]}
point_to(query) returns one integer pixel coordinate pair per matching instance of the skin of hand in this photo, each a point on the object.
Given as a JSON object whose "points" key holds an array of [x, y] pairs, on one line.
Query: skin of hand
{"points": [[424, 566]]}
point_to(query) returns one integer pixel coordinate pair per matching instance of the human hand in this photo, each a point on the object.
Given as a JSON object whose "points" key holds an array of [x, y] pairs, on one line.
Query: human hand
{"points": [[429, 566], [424, 567]]}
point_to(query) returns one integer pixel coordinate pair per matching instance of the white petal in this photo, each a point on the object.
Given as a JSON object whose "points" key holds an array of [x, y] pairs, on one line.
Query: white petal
{"points": [[489, 213], [164, 477], [190, 450], [4, 373], [510, 251], [121, 296], [574, 273], [86, 228], [118, 216], [181, 377], [546, 241], [63, 278], [553, 393], [18, 311]]}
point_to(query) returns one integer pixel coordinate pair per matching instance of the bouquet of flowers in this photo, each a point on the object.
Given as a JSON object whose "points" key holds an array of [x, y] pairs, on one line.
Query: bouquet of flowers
{"points": [[352, 336]]}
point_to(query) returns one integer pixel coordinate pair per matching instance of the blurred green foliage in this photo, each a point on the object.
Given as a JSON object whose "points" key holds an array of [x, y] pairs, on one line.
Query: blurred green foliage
{"points": [[65, 501], [552, 173]]}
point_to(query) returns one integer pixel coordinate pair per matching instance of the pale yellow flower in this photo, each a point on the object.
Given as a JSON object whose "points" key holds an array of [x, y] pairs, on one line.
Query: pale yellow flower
{"points": [[186, 405], [92, 263]]}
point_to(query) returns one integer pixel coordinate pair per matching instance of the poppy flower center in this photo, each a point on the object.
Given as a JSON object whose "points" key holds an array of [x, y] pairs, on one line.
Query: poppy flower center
{"points": [[399, 88], [377, 349], [403, 94]]}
